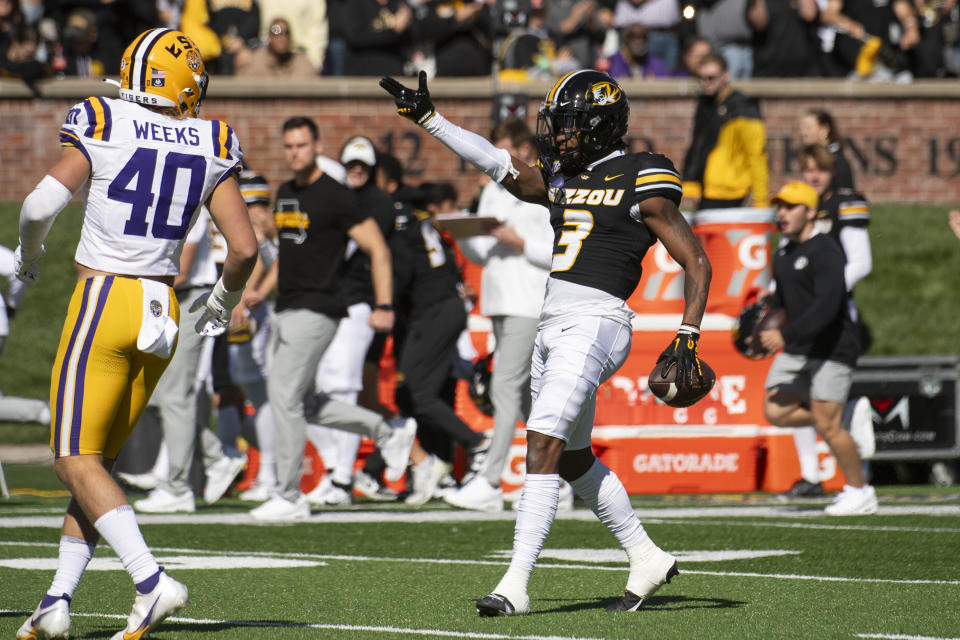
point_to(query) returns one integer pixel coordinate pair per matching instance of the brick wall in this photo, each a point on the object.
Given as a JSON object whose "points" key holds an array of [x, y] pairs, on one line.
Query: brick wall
{"points": [[903, 150]]}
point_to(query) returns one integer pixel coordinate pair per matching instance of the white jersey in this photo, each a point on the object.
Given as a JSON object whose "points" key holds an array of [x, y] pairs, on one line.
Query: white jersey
{"points": [[149, 174]]}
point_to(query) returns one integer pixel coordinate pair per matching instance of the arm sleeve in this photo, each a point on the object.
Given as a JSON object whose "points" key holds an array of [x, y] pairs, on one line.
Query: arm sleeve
{"points": [[478, 151], [856, 245], [37, 214]]}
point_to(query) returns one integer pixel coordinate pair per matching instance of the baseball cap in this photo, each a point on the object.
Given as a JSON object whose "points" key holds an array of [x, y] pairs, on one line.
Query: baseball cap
{"points": [[358, 149], [794, 193]]}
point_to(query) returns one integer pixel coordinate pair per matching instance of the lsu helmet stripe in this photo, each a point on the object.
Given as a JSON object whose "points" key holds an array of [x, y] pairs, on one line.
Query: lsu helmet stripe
{"points": [[133, 56], [140, 56]]}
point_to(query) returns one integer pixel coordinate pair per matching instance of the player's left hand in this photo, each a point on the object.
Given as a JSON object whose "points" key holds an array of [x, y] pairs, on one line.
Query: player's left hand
{"points": [[414, 105], [682, 352], [27, 270], [215, 317]]}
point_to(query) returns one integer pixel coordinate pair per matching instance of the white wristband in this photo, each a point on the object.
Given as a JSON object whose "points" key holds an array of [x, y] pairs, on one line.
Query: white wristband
{"points": [[689, 328], [227, 299], [475, 149]]}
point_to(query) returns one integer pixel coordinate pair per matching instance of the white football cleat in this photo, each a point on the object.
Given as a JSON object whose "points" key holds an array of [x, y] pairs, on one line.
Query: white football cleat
{"points": [[853, 502], [162, 501], [150, 609], [395, 447], [220, 476], [658, 569], [279, 509], [52, 621], [477, 495], [367, 486]]}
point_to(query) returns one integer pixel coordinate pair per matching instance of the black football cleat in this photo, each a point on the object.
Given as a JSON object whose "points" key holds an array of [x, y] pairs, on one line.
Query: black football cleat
{"points": [[803, 489], [631, 601]]}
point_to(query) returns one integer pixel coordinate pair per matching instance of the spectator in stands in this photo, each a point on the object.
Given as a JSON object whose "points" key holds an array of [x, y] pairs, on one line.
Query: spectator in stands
{"points": [[18, 56], [377, 32], [277, 58], [661, 19], [224, 32], [335, 56], [80, 37], [516, 259], [818, 127], [727, 158], [578, 28], [311, 20], [809, 381], [784, 41], [694, 48], [873, 39], [634, 58], [724, 24], [528, 50], [456, 38]]}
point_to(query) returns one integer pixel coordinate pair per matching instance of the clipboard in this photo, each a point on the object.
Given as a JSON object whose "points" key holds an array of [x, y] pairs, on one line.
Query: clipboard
{"points": [[464, 225]]}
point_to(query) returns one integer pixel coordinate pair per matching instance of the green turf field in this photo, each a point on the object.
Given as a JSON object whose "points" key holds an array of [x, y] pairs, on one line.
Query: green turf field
{"points": [[751, 567]]}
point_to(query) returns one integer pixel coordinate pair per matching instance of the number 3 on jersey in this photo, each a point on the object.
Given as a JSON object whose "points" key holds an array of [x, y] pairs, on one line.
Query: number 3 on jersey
{"points": [[140, 170], [577, 225]]}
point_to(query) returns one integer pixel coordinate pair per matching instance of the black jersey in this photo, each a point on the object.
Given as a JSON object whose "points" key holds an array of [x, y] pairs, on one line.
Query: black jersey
{"points": [[424, 265], [842, 208], [810, 286], [356, 278], [312, 223], [599, 236], [254, 188]]}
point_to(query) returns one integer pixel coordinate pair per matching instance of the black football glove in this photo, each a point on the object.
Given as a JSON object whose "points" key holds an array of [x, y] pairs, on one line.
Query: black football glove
{"points": [[414, 105], [682, 352]]}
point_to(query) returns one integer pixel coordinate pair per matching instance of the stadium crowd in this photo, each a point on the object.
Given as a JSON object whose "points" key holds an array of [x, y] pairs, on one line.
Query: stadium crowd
{"points": [[861, 39]]}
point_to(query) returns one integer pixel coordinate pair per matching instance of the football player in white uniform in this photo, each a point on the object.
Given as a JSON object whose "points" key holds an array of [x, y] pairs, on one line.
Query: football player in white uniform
{"points": [[146, 163], [607, 207]]}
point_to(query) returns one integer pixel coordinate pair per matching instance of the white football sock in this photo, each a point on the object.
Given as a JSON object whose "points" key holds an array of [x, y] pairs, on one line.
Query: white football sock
{"points": [[75, 554], [161, 468], [119, 528], [267, 443], [805, 439], [324, 442], [535, 514], [603, 492]]}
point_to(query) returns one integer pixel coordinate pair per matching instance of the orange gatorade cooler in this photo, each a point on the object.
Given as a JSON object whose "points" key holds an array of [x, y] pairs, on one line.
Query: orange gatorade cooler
{"points": [[738, 242], [661, 288]]}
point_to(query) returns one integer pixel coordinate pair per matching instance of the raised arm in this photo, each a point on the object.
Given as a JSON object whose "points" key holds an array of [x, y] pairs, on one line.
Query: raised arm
{"points": [[519, 178]]}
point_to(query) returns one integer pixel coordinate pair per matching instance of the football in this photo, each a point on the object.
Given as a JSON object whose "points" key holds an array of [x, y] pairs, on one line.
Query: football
{"points": [[751, 321], [666, 388]]}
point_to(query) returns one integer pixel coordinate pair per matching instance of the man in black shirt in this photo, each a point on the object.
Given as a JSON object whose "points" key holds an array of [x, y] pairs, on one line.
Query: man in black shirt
{"points": [[315, 217], [809, 382]]}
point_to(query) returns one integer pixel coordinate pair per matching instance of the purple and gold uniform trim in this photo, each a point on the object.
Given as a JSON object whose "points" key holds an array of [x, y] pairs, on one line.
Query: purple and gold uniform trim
{"points": [[70, 386]]}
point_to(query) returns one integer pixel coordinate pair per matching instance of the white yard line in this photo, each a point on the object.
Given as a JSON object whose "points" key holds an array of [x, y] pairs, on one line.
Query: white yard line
{"points": [[684, 514], [442, 633], [900, 636]]}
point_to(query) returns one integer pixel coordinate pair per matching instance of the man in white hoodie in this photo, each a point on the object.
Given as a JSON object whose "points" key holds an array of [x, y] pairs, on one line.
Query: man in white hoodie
{"points": [[516, 262]]}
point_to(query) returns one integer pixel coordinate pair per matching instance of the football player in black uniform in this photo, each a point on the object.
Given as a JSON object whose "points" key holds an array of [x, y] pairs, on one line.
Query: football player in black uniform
{"points": [[607, 207]]}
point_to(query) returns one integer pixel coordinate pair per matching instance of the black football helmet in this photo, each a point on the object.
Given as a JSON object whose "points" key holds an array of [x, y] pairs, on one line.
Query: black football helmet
{"points": [[584, 105]]}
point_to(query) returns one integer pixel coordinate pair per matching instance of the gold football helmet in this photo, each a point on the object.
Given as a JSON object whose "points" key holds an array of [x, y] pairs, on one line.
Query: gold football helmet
{"points": [[164, 68]]}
